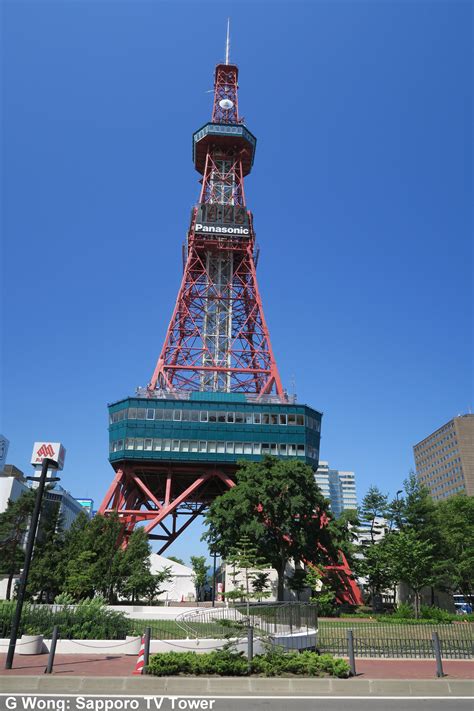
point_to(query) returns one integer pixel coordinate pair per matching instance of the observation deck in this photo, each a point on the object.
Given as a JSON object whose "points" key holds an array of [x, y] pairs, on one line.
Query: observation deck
{"points": [[228, 136], [208, 427]]}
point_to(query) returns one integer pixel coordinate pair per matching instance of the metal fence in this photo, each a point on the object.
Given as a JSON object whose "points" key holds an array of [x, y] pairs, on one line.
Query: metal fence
{"points": [[377, 639]]}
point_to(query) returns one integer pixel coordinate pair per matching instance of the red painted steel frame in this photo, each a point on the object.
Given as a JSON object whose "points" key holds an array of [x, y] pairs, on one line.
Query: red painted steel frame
{"points": [[219, 286]]}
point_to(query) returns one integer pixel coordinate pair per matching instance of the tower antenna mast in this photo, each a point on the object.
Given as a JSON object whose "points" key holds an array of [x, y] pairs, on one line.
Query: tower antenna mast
{"points": [[227, 43]]}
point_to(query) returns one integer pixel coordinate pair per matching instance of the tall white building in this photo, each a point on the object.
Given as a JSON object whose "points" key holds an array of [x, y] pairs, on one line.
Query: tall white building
{"points": [[337, 486]]}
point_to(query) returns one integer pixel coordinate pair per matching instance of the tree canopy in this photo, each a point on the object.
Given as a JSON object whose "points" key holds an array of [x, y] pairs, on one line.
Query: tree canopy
{"points": [[275, 503]]}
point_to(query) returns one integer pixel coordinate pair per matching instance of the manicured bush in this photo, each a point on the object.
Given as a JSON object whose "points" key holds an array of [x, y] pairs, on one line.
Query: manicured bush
{"points": [[226, 663]]}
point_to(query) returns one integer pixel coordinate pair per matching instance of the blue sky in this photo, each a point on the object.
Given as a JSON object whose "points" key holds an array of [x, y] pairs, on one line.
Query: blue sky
{"points": [[361, 194]]}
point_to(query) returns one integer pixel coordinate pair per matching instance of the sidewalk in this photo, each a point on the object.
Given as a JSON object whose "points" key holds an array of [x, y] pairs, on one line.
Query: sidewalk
{"points": [[95, 665]]}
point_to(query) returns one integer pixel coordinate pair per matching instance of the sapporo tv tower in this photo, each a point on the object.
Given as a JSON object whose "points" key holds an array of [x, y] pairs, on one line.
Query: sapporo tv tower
{"points": [[215, 396]]}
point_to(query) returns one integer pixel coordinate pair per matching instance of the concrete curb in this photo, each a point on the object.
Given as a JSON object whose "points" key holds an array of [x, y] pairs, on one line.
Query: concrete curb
{"points": [[228, 686]]}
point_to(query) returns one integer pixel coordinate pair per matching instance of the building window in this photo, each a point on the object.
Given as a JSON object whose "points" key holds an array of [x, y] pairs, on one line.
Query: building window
{"points": [[265, 418], [247, 447], [148, 445], [150, 414], [129, 443], [257, 418], [176, 445], [204, 416], [141, 413], [184, 445], [139, 444], [265, 448], [186, 416], [211, 447], [257, 448], [193, 445], [283, 419], [221, 416], [168, 415], [220, 447], [300, 420], [239, 418], [212, 416], [229, 447], [194, 415], [166, 444], [238, 448], [132, 413], [230, 417], [283, 451], [202, 446], [157, 445], [159, 413], [177, 415], [292, 419]]}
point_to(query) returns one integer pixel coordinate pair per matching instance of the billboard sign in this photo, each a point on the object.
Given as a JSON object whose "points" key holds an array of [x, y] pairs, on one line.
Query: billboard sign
{"points": [[48, 450], [222, 220], [4, 443]]}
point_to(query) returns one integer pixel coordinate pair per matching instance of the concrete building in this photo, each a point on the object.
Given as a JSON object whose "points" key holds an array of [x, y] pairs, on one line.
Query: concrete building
{"points": [[444, 460], [337, 486]]}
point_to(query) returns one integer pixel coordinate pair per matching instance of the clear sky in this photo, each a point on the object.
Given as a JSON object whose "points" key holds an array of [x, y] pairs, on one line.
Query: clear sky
{"points": [[361, 193]]}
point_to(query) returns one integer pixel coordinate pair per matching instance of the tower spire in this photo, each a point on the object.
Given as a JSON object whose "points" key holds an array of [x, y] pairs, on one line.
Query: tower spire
{"points": [[227, 44]]}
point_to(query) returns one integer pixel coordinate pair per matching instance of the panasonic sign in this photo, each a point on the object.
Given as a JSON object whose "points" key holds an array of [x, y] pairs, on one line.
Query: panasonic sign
{"points": [[221, 229]]}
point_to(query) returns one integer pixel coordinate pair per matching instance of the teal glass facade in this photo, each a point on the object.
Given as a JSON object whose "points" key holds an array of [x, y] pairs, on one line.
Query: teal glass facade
{"points": [[211, 427]]}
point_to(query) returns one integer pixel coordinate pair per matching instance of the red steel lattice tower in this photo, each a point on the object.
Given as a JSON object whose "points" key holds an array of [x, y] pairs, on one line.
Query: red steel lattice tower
{"points": [[215, 396], [218, 339]]}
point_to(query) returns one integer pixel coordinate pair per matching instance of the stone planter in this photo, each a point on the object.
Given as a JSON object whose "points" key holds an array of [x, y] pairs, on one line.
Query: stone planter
{"points": [[133, 645], [30, 644]]}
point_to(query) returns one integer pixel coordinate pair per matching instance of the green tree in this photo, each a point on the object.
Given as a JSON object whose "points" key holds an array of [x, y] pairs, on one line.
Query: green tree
{"points": [[298, 582], [246, 563], [46, 576], [176, 560], [94, 557], [412, 559], [455, 520], [321, 592], [135, 576], [154, 583], [378, 566], [199, 574], [275, 504], [373, 504], [260, 584], [13, 527]]}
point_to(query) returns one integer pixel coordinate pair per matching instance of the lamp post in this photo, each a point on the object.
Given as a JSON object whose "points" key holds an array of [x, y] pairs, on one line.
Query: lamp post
{"points": [[51, 456], [47, 463], [400, 491]]}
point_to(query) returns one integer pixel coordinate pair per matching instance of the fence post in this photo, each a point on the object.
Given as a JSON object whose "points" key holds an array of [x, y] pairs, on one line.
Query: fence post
{"points": [[437, 651], [350, 647], [52, 650], [250, 645], [146, 652]]}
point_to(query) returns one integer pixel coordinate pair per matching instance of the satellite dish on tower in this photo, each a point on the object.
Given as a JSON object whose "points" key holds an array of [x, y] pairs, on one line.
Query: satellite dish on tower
{"points": [[226, 104]]}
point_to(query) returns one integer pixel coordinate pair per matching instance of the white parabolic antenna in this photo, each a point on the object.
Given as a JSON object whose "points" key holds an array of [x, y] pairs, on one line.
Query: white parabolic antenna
{"points": [[226, 104]]}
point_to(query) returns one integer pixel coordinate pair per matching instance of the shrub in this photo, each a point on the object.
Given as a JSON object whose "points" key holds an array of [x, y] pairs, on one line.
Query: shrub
{"points": [[90, 619], [404, 611], [226, 663]]}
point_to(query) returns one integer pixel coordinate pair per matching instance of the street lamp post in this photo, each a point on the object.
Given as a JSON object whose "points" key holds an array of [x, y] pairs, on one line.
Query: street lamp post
{"points": [[400, 491], [28, 554], [213, 598]]}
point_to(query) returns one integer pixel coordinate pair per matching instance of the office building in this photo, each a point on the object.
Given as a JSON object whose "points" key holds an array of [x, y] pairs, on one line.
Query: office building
{"points": [[338, 487], [444, 460]]}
